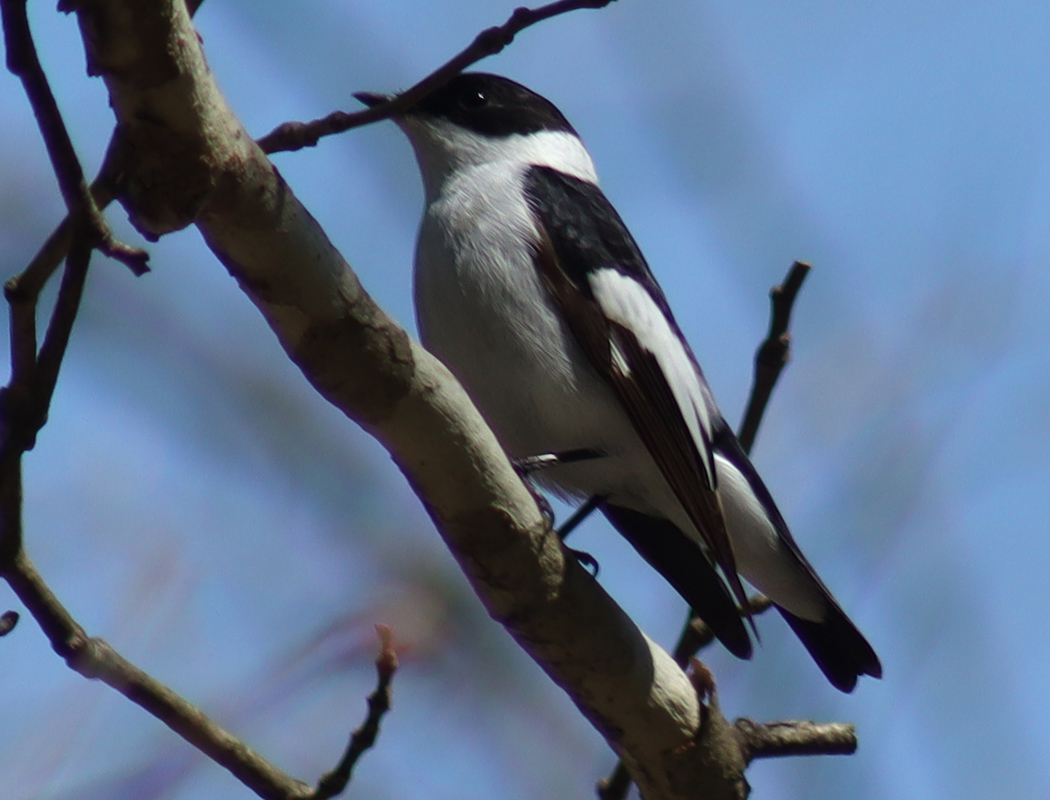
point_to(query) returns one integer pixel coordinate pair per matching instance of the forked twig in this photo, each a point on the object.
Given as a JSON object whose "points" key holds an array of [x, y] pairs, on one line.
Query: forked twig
{"points": [[794, 738], [297, 135], [363, 738], [22, 61]]}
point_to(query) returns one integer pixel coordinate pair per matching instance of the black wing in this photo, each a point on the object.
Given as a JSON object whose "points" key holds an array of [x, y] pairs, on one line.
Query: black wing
{"points": [[618, 314]]}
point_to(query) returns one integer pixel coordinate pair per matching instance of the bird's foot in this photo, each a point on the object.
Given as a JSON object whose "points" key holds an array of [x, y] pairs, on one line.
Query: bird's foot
{"points": [[585, 560]]}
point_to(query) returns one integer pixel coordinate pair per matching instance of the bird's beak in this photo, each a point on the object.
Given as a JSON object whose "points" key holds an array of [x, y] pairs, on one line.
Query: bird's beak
{"points": [[371, 99]]}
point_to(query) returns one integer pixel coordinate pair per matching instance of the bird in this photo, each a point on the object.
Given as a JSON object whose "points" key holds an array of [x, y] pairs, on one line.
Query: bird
{"points": [[529, 287]]}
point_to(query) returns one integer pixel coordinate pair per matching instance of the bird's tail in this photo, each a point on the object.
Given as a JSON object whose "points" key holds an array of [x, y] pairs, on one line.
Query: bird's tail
{"points": [[840, 650], [683, 565]]}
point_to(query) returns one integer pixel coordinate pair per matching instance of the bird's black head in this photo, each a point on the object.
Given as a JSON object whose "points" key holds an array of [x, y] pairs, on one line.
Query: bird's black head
{"points": [[488, 104]]}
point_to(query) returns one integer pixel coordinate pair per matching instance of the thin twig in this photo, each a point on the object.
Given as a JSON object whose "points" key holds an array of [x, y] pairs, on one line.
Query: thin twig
{"points": [[697, 634], [23, 411], [24, 402], [53, 349], [773, 354], [794, 738], [334, 782], [297, 135], [30, 282], [22, 334], [23, 62]]}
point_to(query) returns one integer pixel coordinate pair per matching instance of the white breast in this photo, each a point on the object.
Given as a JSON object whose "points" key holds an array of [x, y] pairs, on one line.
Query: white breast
{"points": [[483, 311]]}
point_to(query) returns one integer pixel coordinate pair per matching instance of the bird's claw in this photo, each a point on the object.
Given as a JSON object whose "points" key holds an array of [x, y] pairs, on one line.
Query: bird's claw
{"points": [[585, 560]]}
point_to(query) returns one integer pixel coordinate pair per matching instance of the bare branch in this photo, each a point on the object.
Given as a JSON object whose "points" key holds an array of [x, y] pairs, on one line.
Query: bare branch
{"points": [[53, 349], [23, 62], [23, 411], [30, 282], [25, 400], [697, 635], [297, 135], [103, 191], [364, 737], [773, 354], [95, 659], [795, 738]]}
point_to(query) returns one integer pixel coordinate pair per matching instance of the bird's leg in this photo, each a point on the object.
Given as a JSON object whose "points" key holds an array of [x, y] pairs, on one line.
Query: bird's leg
{"points": [[567, 527], [579, 515], [525, 467], [529, 464]]}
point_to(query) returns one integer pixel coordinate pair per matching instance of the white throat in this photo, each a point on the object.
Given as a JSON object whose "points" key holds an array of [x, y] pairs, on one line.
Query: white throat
{"points": [[444, 149]]}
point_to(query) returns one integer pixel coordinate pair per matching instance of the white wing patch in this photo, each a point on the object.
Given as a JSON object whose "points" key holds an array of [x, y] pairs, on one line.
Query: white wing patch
{"points": [[761, 553], [626, 302]]}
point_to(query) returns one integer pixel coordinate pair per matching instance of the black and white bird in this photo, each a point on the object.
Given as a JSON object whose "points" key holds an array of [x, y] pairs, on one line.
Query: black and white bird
{"points": [[530, 288]]}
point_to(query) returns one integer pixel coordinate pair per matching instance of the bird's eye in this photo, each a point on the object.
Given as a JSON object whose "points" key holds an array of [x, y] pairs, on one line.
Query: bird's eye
{"points": [[474, 99]]}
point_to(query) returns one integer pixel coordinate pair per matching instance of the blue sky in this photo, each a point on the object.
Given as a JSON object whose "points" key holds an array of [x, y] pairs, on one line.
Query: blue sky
{"points": [[197, 505]]}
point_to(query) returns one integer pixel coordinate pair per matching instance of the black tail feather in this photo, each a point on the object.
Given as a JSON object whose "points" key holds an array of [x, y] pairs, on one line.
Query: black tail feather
{"points": [[840, 650], [683, 565]]}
